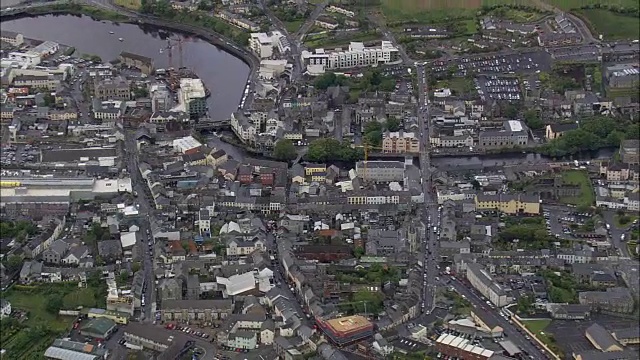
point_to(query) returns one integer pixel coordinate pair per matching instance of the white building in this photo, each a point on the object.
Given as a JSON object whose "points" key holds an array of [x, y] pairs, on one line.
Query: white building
{"points": [[27, 58], [47, 48], [263, 44], [5, 308], [183, 145], [356, 55], [243, 128], [192, 97]]}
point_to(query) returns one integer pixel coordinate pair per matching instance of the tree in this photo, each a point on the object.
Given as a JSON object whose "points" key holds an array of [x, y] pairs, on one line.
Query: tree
{"points": [[358, 252], [49, 100], [135, 267], [14, 262], [284, 150], [532, 119], [54, 303], [392, 124]]}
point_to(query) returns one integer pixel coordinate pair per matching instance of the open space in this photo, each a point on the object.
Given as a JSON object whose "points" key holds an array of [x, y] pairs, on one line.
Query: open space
{"points": [[293, 26], [577, 4], [577, 177], [535, 326], [610, 25], [129, 4]]}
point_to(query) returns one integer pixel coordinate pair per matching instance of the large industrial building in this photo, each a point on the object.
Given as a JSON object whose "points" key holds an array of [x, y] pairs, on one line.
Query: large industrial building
{"points": [[346, 330], [461, 348]]}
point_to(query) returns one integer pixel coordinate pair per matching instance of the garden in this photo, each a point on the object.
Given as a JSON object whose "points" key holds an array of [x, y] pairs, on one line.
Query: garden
{"points": [[35, 322]]}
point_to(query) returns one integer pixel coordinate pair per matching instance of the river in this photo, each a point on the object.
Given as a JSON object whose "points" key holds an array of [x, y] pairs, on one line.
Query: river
{"points": [[222, 73]]}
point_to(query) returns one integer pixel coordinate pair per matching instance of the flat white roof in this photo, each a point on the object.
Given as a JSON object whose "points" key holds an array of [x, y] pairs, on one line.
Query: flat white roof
{"points": [[515, 125]]}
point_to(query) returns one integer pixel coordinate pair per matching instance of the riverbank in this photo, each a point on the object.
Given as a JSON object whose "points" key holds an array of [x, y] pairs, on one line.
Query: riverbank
{"points": [[121, 15]]}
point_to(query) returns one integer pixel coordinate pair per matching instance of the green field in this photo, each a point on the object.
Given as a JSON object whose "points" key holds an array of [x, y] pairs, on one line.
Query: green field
{"points": [[293, 26], [536, 326], [577, 177], [610, 25], [577, 4]]}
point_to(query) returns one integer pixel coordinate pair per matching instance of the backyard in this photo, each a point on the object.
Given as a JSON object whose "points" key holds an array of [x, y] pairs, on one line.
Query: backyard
{"points": [[577, 177]]}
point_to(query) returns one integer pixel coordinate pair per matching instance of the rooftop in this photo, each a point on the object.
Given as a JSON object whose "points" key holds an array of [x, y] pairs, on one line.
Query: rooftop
{"points": [[349, 323]]}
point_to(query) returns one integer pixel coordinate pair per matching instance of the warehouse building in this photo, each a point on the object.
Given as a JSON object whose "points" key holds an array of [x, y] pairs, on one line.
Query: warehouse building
{"points": [[99, 328]]}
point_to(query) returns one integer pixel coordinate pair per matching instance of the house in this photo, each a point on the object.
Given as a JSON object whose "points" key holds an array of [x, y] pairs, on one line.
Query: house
{"points": [[316, 172], [31, 271], [99, 328], [110, 250], [217, 157], [555, 131], [601, 339], [238, 247], [75, 254], [55, 253]]}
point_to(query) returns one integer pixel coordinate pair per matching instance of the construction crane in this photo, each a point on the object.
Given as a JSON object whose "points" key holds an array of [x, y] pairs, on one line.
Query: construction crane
{"points": [[170, 45], [366, 148]]}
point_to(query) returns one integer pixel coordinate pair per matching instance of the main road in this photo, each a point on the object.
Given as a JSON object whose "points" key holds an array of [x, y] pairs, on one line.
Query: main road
{"points": [[491, 316], [430, 214]]}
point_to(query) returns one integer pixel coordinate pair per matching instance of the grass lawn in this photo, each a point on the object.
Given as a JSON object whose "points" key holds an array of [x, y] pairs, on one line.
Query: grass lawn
{"points": [[327, 40], [293, 26], [612, 26], [631, 246], [578, 177], [576, 4], [457, 85], [36, 306], [535, 326], [631, 218], [129, 4]]}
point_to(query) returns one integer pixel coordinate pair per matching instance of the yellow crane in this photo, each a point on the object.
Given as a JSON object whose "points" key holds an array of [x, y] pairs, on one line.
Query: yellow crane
{"points": [[366, 148]]}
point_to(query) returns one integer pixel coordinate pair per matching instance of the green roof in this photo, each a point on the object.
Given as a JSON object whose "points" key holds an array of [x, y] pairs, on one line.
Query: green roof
{"points": [[98, 326]]}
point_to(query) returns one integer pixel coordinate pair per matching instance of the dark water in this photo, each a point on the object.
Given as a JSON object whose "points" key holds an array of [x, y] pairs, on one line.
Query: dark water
{"points": [[222, 73]]}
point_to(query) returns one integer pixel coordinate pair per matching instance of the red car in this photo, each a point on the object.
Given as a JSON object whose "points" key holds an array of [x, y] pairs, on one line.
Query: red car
{"points": [[75, 325], [170, 326]]}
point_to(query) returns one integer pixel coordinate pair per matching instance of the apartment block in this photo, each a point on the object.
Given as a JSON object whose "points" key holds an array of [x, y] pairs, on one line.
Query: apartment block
{"points": [[483, 282], [400, 142]]}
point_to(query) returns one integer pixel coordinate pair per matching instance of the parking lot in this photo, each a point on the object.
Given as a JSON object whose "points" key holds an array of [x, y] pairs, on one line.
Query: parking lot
{"points": [[495, 64], [498, 88]]}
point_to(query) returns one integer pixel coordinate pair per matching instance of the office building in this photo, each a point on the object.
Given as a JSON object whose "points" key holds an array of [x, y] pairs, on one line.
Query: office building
{"points": [[192, 97], [356, 55], [263, 44], [513, 133], [380, 171]]}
